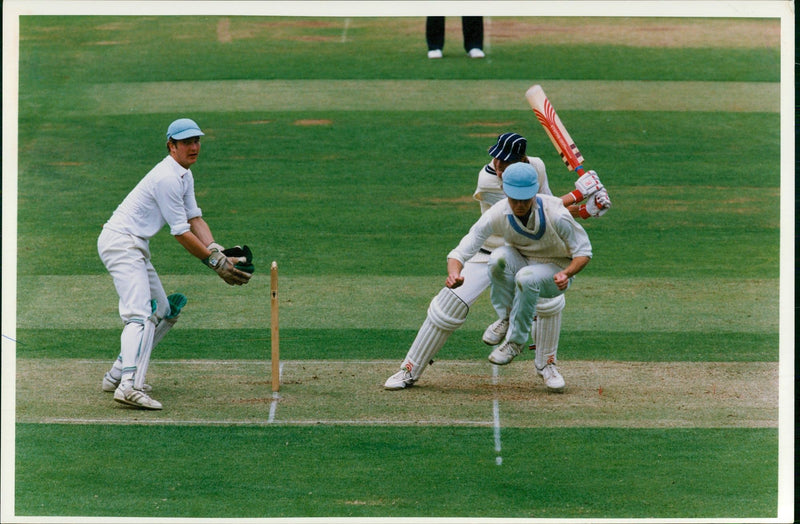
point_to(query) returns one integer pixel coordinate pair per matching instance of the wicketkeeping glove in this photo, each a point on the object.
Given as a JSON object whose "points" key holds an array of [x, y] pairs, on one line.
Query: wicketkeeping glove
{"points": [[225, 268], [244, 254]]}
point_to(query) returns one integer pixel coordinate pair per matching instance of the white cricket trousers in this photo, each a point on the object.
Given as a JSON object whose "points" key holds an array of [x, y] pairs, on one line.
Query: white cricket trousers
{"points": [[127, 259], [517, 284], [476, 281]]}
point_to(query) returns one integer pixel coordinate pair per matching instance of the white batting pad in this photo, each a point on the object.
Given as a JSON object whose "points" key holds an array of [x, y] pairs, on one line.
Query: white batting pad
{"points": [[446, 313], [145, 348], [548, 329]]}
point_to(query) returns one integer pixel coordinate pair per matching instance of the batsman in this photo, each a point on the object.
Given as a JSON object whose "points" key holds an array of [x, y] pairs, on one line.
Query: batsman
{"points": [[448, 309], [544, 249], [165, 196]]}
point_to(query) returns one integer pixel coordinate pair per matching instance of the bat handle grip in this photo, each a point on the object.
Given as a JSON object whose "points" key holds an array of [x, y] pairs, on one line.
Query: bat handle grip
{"points": [[580, 171]]}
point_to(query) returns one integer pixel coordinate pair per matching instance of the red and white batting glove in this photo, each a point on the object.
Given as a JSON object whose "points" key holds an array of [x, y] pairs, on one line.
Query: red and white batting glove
{"points": [[596, 206], [587, 185]]}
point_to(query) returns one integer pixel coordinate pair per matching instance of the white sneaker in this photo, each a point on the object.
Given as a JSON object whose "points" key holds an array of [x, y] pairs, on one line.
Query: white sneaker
{"points": [[505, 353], [435, 53], [476, 53], [127, 394], [496, 332], [552, 378], [110, 384], [400, 380]]}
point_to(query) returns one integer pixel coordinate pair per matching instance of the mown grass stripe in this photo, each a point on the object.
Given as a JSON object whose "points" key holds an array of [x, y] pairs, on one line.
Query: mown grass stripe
{"points": [[630, 304], [423, 95]]}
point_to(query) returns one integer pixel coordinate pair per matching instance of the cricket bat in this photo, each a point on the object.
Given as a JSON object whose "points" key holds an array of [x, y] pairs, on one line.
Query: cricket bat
{"points": [[558, 134]]}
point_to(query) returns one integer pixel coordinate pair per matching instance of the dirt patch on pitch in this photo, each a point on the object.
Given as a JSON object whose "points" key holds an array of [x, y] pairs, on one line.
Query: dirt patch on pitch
{"points": [[627, 31], [279, 28], [638, 32], [313, 122], [598, 394]]}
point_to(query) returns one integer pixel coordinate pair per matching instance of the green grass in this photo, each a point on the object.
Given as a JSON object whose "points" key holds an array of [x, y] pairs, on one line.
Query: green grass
{"points": [[388, 343], [674, 185], [62, 51], [360, 209], [395, 472]]}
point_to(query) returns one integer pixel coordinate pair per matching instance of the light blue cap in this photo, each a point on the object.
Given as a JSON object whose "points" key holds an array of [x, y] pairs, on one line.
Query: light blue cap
{"points": [[183, 128], [520, 181]]}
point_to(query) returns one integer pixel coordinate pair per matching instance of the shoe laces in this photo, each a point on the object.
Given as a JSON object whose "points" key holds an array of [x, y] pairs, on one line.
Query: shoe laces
{"points": [[511, 348], [550, 371], [500, 326]]}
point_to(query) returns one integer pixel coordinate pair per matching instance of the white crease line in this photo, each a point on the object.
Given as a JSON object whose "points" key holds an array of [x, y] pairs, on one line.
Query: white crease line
{"points": [[496, 418], [238, 362], [273, 406], [319, 422]]}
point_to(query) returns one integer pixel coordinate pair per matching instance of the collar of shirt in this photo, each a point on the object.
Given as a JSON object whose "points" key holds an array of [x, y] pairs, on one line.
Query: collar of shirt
{"points": [[177, 168], [536, 225]]}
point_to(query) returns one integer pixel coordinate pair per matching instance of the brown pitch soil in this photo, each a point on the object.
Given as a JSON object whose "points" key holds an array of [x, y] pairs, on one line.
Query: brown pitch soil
{"points": [[625, 31], [598, 394]]}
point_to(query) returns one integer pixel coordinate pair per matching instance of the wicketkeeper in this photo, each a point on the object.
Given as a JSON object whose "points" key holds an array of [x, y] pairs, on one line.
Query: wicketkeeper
{"points": [[164, 196], [448, 309]]}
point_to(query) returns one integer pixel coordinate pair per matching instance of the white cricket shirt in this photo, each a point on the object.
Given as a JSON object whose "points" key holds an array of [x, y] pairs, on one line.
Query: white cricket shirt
{"points": [[164, 196], [551, 234]]}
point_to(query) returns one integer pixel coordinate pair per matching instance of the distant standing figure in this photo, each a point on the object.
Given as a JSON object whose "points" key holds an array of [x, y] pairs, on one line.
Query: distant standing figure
{"points": [[471, 27]]}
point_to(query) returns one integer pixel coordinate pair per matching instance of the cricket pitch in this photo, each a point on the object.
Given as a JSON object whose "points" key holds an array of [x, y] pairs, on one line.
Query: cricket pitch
{"points": [[457, 393]]}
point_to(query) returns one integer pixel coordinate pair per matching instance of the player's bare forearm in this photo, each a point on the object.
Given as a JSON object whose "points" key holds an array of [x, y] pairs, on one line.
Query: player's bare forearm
{"points": [[454, 278], [575, 266], [574, 210], [568, 200], [193, 245], [201, 230]]}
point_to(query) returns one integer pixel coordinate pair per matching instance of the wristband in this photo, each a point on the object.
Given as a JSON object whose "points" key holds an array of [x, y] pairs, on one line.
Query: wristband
{"points": [[214, 259]]}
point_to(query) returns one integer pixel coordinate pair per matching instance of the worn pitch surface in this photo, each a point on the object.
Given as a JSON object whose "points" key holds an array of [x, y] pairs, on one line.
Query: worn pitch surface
{"points": [[599, 394]]}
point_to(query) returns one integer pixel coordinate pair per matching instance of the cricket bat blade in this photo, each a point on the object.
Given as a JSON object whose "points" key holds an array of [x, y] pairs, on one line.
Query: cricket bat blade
{"points": [[558, 134]]}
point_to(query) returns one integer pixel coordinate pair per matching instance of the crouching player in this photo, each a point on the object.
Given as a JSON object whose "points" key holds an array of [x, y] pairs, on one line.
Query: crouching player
{"points": [[448, 309]]}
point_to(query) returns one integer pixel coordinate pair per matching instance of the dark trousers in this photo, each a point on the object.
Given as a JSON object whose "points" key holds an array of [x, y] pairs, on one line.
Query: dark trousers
{"points": [[471, 27]]}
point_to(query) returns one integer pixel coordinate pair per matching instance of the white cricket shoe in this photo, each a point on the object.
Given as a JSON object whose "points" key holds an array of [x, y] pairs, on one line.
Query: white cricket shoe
{"points": [[476, 53], [496, 332], [505, 353], [400, 380], [110, 384], [127, 394], [552, 378], [435, 53]]}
